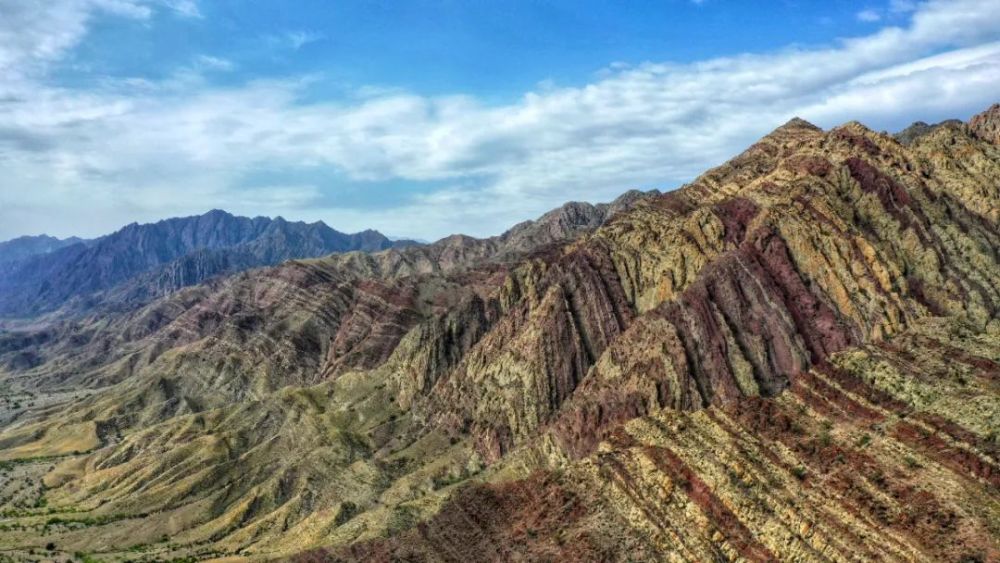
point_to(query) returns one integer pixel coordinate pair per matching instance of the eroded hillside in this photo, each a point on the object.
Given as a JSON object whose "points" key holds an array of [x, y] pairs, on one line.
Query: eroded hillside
{"points": [[797, 356]]}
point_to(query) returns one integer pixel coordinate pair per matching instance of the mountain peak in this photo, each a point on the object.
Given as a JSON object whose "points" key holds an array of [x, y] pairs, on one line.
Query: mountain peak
{"points": [[855, 126], [166, 255], [799, 123], [24, 247], [794, 128], [921, 129], [606, 362], [25, 238], [217, 214], [986, 125]]}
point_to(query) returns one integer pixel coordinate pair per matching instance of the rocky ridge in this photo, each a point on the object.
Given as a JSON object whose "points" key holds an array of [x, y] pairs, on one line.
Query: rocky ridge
{"points": [[16, 250], [793, 357], [141, 262]]}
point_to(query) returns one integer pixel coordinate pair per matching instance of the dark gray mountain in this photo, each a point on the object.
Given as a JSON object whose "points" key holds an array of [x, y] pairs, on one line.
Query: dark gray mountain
{"points": [[921, 129], [166, 256], [16, 250]]}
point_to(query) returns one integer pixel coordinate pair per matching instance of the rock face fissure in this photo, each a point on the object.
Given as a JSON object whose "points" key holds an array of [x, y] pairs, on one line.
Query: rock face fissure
{"points": [[794, 357]]}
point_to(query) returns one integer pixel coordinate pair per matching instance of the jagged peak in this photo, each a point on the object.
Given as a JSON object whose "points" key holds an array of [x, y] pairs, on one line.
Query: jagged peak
{"points": [[794, 128], [798, 123], [657, 316], [633, 195], [857, 130], [26, 238], [992, 111], [854, 126], [920, 129], [986, 125]]}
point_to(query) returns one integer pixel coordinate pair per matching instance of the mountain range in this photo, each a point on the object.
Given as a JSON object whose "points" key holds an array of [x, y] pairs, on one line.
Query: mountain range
{"points": [[155, 259], [794, 357], [21, 248]]}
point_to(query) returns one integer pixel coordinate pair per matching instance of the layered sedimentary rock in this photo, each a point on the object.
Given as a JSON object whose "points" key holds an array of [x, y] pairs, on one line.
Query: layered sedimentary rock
{"points": [[838, 467], [796, 356]]}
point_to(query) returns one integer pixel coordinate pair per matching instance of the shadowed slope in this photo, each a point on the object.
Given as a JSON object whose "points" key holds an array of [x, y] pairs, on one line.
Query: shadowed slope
{"points": [[794, 356]]}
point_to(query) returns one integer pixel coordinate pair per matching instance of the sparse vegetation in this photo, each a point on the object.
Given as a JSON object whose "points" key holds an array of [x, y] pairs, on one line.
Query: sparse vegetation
{"points": [[824, 438], [665, 377]]}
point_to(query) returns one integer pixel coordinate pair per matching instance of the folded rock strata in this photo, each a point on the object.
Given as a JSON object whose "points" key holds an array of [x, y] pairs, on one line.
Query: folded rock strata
{"points": [[796, 356]]}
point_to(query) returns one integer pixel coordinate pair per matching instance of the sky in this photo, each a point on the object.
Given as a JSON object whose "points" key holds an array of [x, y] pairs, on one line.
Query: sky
{"points": [[426, 118]]}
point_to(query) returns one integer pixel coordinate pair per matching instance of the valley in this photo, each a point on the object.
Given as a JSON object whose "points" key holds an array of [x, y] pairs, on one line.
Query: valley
{"points": [[794, 357]]}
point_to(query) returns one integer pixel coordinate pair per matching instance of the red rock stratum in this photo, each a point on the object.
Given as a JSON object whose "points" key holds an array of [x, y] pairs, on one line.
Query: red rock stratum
{"points": [[794, 357]]}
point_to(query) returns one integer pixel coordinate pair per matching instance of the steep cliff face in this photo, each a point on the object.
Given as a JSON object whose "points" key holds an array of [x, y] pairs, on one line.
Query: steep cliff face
{"points": [[807, 244], [794, 356], [846, 463], [244, 337]]}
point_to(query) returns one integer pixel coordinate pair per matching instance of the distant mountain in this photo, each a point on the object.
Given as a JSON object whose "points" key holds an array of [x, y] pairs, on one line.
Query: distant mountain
{"points": [[921, 129], [18, 249], [456, 253], [167, 255], [567, 221], [794, 357]]}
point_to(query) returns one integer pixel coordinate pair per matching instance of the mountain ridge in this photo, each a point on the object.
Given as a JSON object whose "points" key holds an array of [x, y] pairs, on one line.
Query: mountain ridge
{"points": [[21, 248], [795, 356], [43, 283]]}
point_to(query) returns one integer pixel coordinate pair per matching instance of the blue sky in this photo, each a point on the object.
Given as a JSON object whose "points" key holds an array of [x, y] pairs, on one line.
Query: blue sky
{"points": [[493, 50], [426, 118]]}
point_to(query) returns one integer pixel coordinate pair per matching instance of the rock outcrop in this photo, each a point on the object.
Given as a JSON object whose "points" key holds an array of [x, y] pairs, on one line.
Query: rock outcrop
{"points": [[920, 129], [986, 125], [794, 357]]}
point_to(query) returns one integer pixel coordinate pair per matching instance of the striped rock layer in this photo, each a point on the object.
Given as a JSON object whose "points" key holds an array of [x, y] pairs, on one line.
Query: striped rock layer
{"points": [[795, 357]]}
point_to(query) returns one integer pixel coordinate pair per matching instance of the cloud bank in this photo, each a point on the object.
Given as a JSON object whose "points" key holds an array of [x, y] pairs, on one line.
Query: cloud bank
{"points": [[84, 161]]}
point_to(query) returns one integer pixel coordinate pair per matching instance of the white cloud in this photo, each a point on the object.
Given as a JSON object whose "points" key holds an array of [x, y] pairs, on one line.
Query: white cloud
{"points": [[298, 39], [213, 63], [295, 40], [34, 33], [868, 16], [82, 162], [186, 8]]}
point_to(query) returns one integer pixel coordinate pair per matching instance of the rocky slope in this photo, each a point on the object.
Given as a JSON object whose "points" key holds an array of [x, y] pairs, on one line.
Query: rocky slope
{"points": [[333, 299], [156, 259], [920, 129], [986, 125], [795, 357]]}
